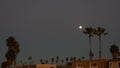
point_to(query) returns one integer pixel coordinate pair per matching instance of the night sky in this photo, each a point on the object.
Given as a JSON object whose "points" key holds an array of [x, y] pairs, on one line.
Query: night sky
{"points": [[49, 28]]}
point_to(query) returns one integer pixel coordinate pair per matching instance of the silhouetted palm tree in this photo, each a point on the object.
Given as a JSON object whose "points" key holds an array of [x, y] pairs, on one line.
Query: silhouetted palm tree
{"points": [[71, 59], [46, 61], [41, 61], [13, 50], [83, 57], [67, 59], [79, 59], [10, 55], [25, 63], [30, 58], [4, 64], [57, 59], [74, 58], [114, 51], [89, 31], [52, 60], [99, 32], [62, 61], [21, 62]]}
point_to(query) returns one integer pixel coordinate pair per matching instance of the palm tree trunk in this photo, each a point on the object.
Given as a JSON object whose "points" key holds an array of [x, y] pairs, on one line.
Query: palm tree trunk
{"points": [[115, 56], [14, 63], [90, 50], [100, 52]]}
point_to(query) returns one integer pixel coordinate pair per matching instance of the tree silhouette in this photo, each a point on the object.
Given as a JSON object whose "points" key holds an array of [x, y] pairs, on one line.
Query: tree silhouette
{"points": [[83, 57], [57, 59], [4, 64], [74, 58], [21, 62], [52, 60], [62, 61], [41, 61], [30, 58], [89, 31], [13, 50], [79, 59], [10, 56], [46, 61], [99, 32], [71, 59], [67, 60], [114, 51]]}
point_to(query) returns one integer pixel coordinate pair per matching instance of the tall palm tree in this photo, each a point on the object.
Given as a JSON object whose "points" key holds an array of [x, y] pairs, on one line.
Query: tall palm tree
{"points": [[52, 60], [99, 32], [71, 59], [79, 59], [21, 62], [13, 50], [10, 55], [41, 61], [74, 58], [30, 58], [62, 61], [89, 31], [46, 61], [67, 60], [57, 59], [114, 51]]}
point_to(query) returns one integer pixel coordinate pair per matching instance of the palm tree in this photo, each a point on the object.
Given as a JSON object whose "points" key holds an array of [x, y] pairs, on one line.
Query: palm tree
{"points": [[41, 61], [13, 47], [4, 64], [71, 59], [57, 59], [67, 60], [62, 61], [10, 56], [25, 63], [52, 60], [74, 58], [30, 58], [89, 31], [83, 57], [79, 59], [21, 62], [46, 61], [99, 32], [114, 51]]}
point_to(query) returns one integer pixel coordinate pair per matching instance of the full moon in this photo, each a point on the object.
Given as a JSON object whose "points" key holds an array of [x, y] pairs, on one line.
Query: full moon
{"points": [[80, 27]]}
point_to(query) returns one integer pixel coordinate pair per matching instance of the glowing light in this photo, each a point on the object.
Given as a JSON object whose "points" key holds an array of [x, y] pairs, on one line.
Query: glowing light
{"points": [[80, 27]]}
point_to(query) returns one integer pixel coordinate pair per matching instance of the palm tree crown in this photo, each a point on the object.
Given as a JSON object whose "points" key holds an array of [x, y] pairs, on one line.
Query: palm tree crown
{"points": [[88, 31], [114, 51]]}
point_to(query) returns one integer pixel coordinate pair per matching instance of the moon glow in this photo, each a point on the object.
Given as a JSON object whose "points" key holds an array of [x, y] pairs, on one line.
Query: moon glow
{"points": [[80, 27]]}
